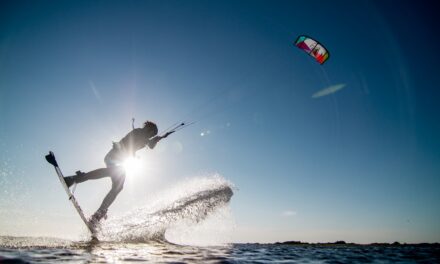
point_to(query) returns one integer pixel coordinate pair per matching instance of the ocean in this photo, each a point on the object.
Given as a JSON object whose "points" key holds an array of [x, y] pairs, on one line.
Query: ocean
{"points": [[50, 250], [159, 233]]}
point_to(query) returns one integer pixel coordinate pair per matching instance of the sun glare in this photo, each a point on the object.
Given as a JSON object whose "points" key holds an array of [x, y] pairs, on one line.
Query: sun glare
{"points": [[132, 165]]}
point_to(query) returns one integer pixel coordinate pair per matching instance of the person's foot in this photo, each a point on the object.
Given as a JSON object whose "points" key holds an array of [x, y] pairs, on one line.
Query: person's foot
{"points": [[96, 217], [70, 180], [95, 220]]}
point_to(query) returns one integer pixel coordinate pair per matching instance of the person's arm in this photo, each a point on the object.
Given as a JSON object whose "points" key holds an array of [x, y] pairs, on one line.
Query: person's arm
{"points": [[152, 142]]}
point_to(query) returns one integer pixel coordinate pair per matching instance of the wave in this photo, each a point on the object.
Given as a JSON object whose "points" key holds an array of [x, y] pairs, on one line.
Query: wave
{"points": [[191, 201]]}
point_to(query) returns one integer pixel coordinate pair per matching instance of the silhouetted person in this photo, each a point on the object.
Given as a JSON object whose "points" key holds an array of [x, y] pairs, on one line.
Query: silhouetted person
{"points": [[137, 139]]}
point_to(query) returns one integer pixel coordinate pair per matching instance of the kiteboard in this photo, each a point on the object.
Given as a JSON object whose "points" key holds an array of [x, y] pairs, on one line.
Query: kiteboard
{"points": [[51, 159]]}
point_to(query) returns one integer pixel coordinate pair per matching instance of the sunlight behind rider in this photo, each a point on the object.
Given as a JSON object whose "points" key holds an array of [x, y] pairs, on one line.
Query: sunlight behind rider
{"points": [[133, 166]]}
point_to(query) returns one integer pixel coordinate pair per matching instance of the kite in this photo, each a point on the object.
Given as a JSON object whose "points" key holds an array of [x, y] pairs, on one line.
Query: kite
{"points": [[313, 48]]}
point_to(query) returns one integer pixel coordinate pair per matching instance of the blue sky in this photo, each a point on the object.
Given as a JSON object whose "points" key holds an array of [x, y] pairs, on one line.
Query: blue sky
{"points": [[361, 164]]}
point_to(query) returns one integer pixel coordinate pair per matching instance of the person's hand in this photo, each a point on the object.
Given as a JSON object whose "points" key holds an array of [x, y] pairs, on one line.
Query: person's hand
{"points": [[167, 134]]}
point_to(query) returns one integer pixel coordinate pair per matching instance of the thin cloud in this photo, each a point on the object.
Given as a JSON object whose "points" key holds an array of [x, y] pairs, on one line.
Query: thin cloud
{"points": [[329, 90]]}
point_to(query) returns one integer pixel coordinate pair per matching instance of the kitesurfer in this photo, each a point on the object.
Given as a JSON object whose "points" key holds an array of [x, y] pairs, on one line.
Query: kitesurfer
{"points": [[135, 140]]}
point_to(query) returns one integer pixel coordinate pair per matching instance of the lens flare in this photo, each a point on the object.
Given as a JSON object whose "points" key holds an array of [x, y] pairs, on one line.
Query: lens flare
{"points": [[132, 165]]}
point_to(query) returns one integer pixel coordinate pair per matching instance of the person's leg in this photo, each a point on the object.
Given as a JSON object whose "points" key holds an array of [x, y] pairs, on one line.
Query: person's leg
{"points": [[118, 178], [91, 175]]}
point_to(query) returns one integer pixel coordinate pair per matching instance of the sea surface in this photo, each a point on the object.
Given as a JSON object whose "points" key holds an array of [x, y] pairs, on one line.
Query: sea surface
{"points": [[50, 250], [195, 212]]}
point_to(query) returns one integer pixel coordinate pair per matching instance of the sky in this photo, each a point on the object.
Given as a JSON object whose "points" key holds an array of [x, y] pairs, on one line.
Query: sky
{"points": [[361, 164]]}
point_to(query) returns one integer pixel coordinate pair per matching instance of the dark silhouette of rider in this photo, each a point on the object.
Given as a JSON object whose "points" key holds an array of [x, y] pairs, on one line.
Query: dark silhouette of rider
{"points": [[135, 140]]}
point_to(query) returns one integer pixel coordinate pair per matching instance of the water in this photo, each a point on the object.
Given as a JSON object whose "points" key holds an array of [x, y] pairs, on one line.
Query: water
{"points": [[188, 204], [45, 250], [187, 225]]}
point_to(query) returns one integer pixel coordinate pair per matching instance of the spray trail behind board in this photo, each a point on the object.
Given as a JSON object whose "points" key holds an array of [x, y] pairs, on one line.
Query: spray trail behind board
{"points": [[191, 201]]}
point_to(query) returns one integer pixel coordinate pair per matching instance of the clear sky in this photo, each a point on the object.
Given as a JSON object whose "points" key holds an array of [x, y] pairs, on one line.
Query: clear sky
{"points": [[361, 164]]}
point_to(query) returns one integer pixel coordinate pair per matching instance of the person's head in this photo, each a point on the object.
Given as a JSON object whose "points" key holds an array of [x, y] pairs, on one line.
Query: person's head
{"points": [[150, 128]]}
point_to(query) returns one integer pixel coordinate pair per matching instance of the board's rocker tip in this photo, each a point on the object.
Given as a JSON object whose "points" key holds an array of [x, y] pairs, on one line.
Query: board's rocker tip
{"points": [[51, 159]]}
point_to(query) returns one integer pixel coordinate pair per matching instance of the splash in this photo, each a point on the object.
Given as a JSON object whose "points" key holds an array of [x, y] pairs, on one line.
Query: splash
{"points": [[36, 242], [191, 202]]}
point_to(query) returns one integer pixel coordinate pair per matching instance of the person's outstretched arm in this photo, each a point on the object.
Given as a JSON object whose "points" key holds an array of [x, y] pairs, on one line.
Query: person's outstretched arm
{"points": [[152, 142]]}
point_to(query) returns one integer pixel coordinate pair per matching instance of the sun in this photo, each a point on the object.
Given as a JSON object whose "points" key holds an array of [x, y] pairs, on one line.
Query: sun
{"points": [[132, 165]]}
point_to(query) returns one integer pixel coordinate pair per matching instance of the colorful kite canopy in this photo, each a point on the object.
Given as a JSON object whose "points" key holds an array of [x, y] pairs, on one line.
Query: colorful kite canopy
{"points": [[313, 48]]}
